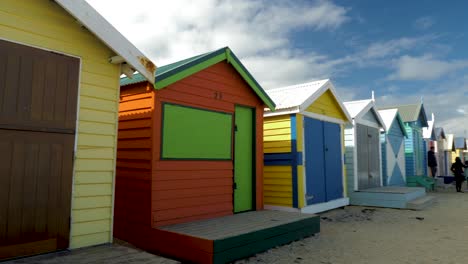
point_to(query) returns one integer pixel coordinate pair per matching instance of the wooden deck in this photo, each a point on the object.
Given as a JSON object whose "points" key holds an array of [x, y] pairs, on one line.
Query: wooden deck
{"points": [[391, 197], [224, 239], [104, 254]]}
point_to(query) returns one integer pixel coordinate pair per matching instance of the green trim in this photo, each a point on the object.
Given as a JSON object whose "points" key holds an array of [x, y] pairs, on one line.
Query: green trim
{"points": [[160, 84]]}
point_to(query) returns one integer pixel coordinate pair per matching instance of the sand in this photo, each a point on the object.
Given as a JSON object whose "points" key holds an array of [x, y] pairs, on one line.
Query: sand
{"points": [[438, 234]]}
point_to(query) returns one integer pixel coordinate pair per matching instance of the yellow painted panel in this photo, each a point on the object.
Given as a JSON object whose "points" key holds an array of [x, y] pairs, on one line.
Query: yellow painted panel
{"points": [[100, 128], [90, 227], [85, 190], [327, 105], [98, 116], [277, 169], [277, 175], [96, 140], [94, 165], [96, 79], [278, 131], [278, 188], [277, 201], [94, 214], [95, 153], [92, 202], [98, 92], [89, 177], [268, 180], [281, 138], [300, 186], [98, 104], [90, 240]]}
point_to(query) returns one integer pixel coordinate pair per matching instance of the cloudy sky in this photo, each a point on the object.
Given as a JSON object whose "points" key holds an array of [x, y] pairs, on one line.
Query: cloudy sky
{"points": [[403, 50]]}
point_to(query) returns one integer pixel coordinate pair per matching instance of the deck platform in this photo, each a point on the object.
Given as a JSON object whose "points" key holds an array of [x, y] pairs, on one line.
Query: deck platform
{"points": [[392, 197], [224, 239]]}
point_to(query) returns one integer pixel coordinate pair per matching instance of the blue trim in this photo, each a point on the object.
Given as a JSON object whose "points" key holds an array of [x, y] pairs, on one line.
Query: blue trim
{"points": [[294, 161], [281, 159]]}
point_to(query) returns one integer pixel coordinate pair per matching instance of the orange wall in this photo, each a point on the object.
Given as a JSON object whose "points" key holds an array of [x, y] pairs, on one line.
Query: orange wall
{"points": [[185, 191]]}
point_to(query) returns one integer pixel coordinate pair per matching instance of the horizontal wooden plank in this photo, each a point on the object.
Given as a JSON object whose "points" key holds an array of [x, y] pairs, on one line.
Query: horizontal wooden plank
{"points": [[92, 227], [277, 132], [277, 201], [97, 116], [99, 92], [94, 214], [96, 140], [190, 193], [140, 143], [208, 210], [87, 190], [133, 164], [190, 202], [277, 181], [135, 114], [97, 128], [91, 177], [143, 103], [193, 174], [92, 78], [133, 174], [94, 165], [98, 104], [95, 153], [90, 239], [192, 165], [135, 123], [191, 218], [169, 95], [91, 202], [190, 184], [135, 133], [267, 189], [134, 154], [274, 169]]}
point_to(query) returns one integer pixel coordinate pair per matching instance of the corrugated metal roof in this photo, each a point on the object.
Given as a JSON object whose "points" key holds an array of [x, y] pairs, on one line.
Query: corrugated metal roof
{"points": [[294, 95], [409, 113], [356, 107], [459, 143]]}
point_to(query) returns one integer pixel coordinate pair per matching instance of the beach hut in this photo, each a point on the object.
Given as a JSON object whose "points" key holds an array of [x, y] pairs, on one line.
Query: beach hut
{"points": [[303, 146], [429, 137], [414, 118], [393, 148], [363, 149], [441, 139], [450, 154], [190, 164], [60, 64], [459, 147]]}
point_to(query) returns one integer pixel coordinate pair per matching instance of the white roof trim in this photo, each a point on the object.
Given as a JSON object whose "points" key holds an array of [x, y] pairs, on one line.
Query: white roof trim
{"points": [[370, 106], [286, 111], [328, 85], [104, 31]]}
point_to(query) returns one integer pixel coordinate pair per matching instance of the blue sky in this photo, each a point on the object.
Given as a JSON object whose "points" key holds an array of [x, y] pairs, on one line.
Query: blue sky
{"points": [[403, 50]]}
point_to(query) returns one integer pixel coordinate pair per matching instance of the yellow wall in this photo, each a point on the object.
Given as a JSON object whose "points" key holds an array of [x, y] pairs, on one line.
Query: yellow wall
{"points": [[277, 134], [277, 180], [300, 168], [327, 105], [43, 23]]}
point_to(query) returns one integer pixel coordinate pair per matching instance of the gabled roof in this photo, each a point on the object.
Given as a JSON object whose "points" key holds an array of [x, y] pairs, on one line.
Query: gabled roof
{"points": [[359, 108], [297, 98], [450, 143], [389, 116], [439, 132], [410, 113], [104, 31], [174, 72], [459, 143], [429, 132]]}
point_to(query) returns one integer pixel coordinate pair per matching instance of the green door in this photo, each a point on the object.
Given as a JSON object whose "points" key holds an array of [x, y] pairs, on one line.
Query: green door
{"points": [[243, 159]]}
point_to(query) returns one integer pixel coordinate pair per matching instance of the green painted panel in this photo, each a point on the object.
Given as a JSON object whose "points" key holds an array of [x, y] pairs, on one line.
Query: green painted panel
{"points": [[244, 159], [192, 133]]}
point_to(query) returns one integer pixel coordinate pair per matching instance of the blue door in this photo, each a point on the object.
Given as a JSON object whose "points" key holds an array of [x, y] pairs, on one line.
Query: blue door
{"points": [[314, 160], [333, 164], [324, 171]]}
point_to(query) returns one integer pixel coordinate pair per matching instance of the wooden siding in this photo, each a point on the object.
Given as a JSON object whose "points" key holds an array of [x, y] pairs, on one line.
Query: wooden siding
{"points": [[349, 157], [184, 191], [277, 134], [300, 168], [278, 185], [46, 25], [133, 175], [327, 105]]}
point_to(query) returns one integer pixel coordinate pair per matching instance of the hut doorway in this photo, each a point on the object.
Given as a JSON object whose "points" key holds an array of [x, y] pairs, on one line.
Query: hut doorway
{"points": [[244, 159], [368, 164], [324, 180]]}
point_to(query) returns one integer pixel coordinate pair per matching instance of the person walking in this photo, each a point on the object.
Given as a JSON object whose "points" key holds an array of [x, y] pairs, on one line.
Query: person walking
{"points": [[432, 162], [457, 169]]}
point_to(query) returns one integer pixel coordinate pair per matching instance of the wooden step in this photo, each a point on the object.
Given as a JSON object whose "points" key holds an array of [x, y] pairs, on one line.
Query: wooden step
{"points": [[421, 203]]}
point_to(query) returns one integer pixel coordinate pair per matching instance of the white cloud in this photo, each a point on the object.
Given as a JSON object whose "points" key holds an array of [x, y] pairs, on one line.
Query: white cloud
{"points": [[425, 68], [424, 23]]}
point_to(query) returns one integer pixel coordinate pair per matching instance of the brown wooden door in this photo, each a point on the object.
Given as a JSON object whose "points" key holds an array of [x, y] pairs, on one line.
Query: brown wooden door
{"points": [[38, 101]]}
